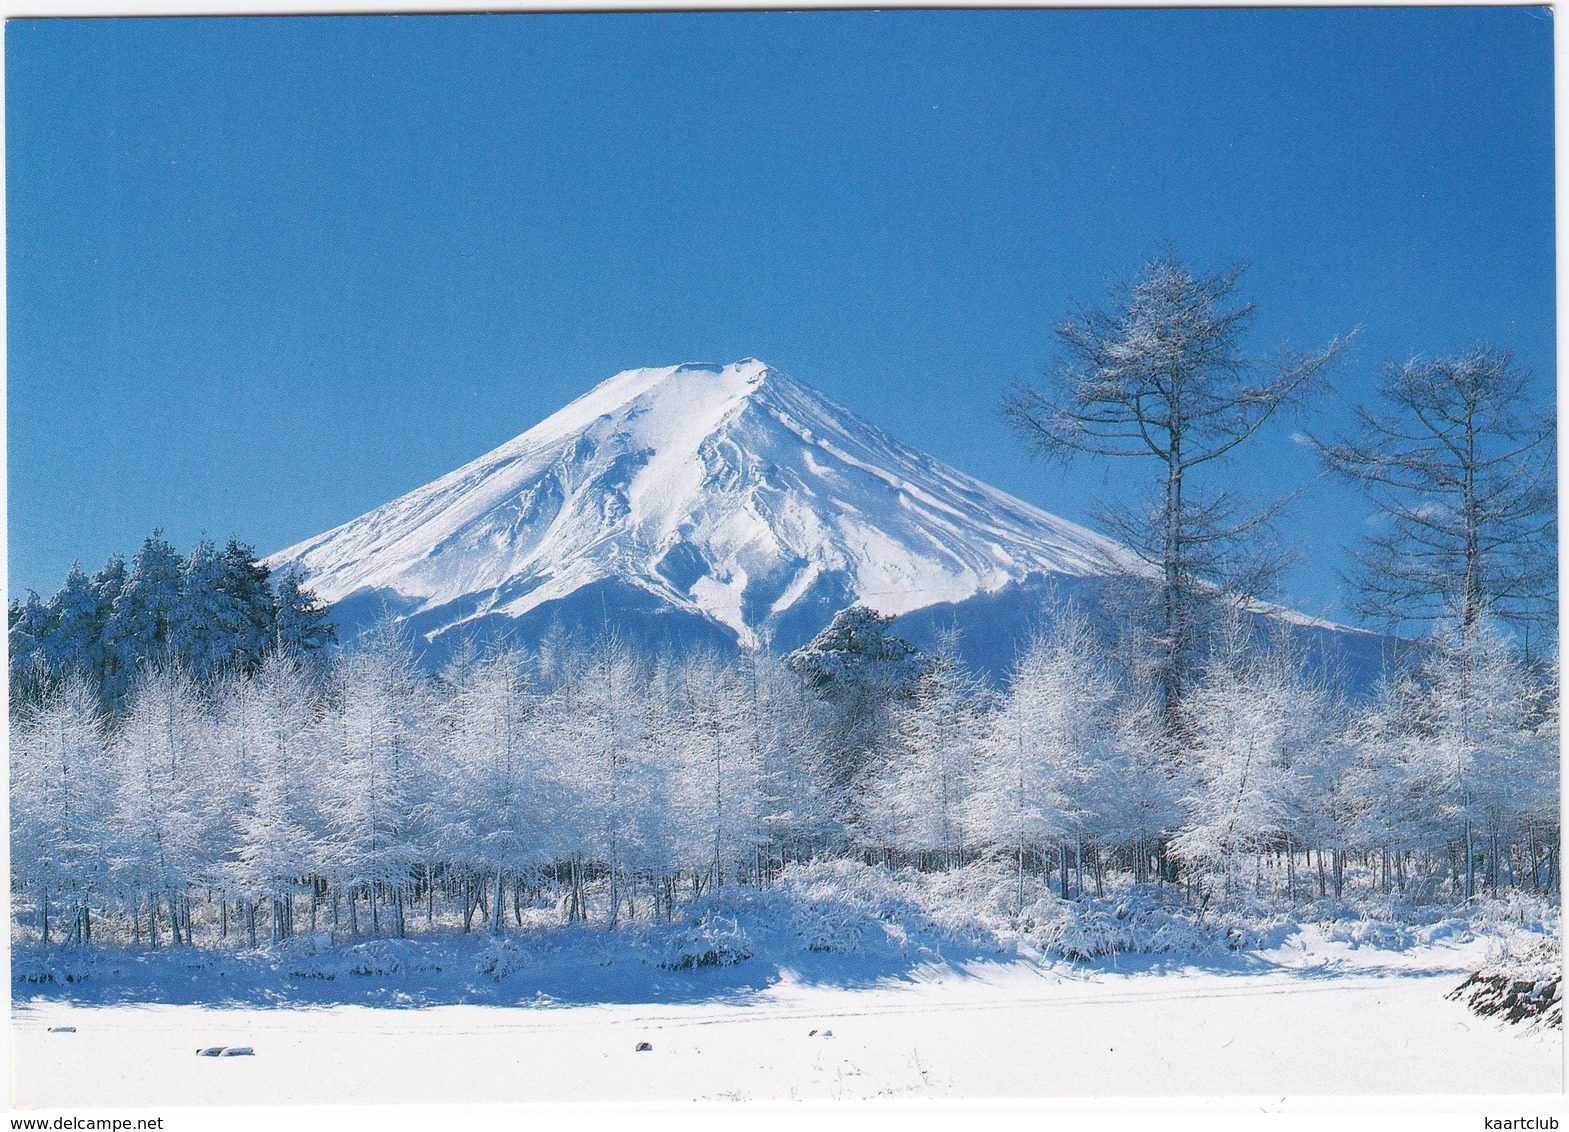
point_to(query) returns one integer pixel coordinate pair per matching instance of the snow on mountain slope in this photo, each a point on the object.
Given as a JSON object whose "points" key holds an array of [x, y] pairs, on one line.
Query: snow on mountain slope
{"points": [[733, 493]]}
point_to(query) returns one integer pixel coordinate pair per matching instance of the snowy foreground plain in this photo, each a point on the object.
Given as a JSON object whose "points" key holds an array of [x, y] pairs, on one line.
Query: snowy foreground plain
{"points": [[1012, 1030], [794, 996]]}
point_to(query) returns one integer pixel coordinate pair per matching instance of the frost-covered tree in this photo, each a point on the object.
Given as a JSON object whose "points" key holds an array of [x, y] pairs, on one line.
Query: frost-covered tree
{"points": [[716, 780], [499, 796], [793, 732], [1259, 723], [1462, 471], [1473, 719], [1388, 797], [1049, 745], [60, 781], [1321, 808], [600, 729], [1452, 757], [267, 758], [1159, 375], [1141, 789], [919, 794], [1540, 814], [379, 792], [162, 755]]}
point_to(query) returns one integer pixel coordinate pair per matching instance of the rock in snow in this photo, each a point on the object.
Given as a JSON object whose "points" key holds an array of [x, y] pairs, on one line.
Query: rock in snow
{"points": [[727, 499]]}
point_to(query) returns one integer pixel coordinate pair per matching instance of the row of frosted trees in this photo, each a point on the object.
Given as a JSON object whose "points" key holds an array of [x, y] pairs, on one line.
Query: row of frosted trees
{"points": [[358, 794], [1442, 782]]}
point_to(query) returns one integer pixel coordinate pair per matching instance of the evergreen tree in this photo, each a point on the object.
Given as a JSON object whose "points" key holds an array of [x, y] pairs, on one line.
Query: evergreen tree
{"points": [[73, 645], [137, 632], [861, 669], [197, 636], [32, 626], [300, 619], [66, 636], [224, 613], [107, 586], [246, 582]]}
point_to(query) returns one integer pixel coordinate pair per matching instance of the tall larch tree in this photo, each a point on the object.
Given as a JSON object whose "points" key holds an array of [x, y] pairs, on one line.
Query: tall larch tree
{"points": [[1158, 375]]}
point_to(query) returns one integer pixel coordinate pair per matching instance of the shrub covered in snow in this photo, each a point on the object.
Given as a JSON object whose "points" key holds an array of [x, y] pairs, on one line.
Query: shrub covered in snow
{"points": [[375, 957], [1525, 987], [989, 902], [1394, 923], [712, 940], [845, 906], [500, 957]]}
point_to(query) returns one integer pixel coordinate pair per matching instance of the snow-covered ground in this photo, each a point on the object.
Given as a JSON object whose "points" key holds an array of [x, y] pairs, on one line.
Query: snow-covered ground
{"points": [[838, 982], [1308, 1017]]}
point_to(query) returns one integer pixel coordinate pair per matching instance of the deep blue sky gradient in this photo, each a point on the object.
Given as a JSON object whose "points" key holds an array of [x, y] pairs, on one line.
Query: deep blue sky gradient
{"points": [[267, 274]]}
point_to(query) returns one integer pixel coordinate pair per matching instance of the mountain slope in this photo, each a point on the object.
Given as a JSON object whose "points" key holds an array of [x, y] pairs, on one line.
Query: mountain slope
{"points": [[731, 498]]}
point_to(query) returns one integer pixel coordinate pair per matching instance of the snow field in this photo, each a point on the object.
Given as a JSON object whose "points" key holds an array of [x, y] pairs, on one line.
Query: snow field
{"points": [[980, 1031], [919, 987]]}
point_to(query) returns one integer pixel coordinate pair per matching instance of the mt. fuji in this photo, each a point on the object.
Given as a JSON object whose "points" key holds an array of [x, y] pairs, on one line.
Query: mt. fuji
{"points": [[728, 503]]}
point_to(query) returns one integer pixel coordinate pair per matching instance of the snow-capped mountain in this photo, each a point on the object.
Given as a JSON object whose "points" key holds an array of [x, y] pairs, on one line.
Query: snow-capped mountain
{"points": [[730, 502]]}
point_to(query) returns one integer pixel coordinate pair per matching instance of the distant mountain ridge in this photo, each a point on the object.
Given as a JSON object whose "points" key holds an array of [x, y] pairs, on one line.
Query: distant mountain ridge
{"points": [[697, 504]]}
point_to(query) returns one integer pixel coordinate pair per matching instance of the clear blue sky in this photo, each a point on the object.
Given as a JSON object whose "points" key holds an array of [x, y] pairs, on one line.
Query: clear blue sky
{"points": [[267, 274]]}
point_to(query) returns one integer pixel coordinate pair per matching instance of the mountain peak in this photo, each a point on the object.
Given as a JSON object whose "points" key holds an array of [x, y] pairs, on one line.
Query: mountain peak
{"points": [[680, 396], [732, 494]]}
